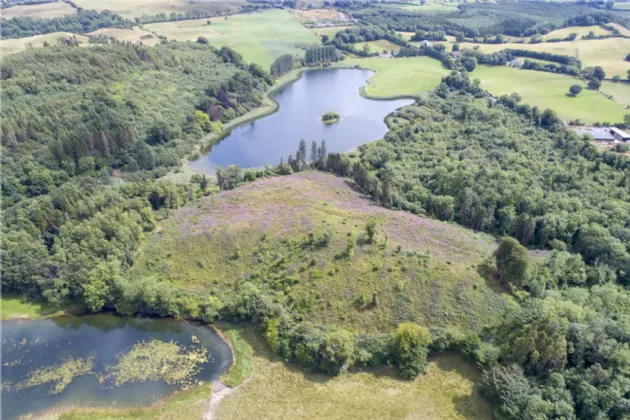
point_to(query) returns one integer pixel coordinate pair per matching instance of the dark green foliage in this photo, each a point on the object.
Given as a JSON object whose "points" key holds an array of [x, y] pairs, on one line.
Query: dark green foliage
{"points": [[322, 54], [575, 89], [282, 65], [81, 111], [345, 40], [173, 16], [82, 22], [513, 262], [409, 349]]}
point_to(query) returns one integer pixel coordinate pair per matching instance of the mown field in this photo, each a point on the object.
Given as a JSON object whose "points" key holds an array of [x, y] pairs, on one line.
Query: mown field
{"points": [[400, 76], [15, 45], [133, 35], [137, 8], [260, 37], [619, 91], [422, 270], [609, 53], [579, 30], [278, 390], [41, 11], [330, 31], [549, 90]]}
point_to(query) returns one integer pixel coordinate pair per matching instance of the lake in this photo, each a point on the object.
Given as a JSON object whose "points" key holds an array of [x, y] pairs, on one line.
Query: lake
{"points": [[302, 104], [30, 346]]}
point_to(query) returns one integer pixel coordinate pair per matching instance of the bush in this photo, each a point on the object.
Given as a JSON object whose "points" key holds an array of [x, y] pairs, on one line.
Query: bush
{"points": [[409, 349]]}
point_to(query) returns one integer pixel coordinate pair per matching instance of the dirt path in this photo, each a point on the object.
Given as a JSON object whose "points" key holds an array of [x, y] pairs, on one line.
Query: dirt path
{"points": [[219, 391]]}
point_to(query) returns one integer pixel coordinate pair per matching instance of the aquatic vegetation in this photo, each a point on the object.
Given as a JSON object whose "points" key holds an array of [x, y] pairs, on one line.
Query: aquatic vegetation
{"points": [[156, 360], [59, 375]]}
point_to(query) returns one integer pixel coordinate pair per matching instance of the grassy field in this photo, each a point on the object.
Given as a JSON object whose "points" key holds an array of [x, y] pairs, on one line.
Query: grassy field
{"points": [[137, 8], [431, 279], [622, 30], [241, 368], [41, 11], [133, 35], [609, 53], [378, 46], [549, 90], [189, 404], [279, 390], [260, 36], [579, 30], [619, 91], [12, 307], [400, 76], [15, 45]]}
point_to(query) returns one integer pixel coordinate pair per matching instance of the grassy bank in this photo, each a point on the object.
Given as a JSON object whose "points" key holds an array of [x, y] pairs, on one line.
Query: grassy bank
{"points": [[399, 77], [184, 405], [241, 367], [12, 307], [280, 390]]}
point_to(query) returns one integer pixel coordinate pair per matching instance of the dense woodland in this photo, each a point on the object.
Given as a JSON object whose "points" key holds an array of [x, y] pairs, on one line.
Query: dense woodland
{"points": [[85, 111]]}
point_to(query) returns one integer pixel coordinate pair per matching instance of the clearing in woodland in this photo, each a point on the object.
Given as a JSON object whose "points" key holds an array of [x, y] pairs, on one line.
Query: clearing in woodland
{"points": [[421, 270], [16, 45], [260, 37], [133, 35], [280, 390]]}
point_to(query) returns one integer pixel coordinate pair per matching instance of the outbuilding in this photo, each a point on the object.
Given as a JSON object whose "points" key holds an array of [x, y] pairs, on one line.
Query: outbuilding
{"points": [[598, 134], [619, 135]]}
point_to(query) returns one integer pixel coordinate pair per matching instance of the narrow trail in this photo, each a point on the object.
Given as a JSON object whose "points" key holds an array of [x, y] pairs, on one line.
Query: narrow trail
{"points": [[219, 391]]}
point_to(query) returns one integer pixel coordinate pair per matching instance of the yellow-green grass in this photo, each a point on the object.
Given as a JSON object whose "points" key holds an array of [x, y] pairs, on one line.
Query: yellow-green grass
{"points": [[15, 45], [619, 91], [41, 10], [400, 76], [609, 53], [550, 90], [579, 30], [135, 8], [378, 46], [241, 367], [260, 37], [133, 35], [189, 404], [624, 31], [432, 278], [12, 307], [278, 390], [331, 31]]}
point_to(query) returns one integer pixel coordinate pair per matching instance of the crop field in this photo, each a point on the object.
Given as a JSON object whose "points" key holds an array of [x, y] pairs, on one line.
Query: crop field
{"points": [[550, 90], [136, 8], [378, 46], [609, 53], [15, 45], [278, 390], [42, 10], [619, 91], [317, 14], [133, 35], [579, 30], [422, 270], [260, 37], [400, 76]]}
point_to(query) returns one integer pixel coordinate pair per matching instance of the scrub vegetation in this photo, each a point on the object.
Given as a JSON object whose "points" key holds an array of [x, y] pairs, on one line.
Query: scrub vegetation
{"points": [[156, 360]]}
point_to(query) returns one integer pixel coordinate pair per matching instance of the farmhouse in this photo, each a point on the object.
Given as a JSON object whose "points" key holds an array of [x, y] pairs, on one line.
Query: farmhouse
{"points": [[619, 135], [598, 134], [426, 43]]}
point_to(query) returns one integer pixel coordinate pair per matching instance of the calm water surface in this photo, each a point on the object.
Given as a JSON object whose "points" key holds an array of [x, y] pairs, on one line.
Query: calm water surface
{"points": [[30, 345], [302, 104]]}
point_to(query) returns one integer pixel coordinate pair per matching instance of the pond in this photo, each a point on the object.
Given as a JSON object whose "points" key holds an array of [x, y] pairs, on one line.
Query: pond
{"points": [[103, 360], [302, 104]]}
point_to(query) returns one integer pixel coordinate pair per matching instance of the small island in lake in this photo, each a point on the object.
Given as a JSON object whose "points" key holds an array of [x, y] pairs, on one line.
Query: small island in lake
{"points": [[331, 117]]}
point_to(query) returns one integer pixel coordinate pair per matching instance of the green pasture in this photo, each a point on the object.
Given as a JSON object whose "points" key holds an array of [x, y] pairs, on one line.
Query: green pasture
{"points": [[16, 45], [549, 90], [579, 30], [620, 92], [400, 76], [378, 46], [329, 30], [260, 37], [609, 53]]}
